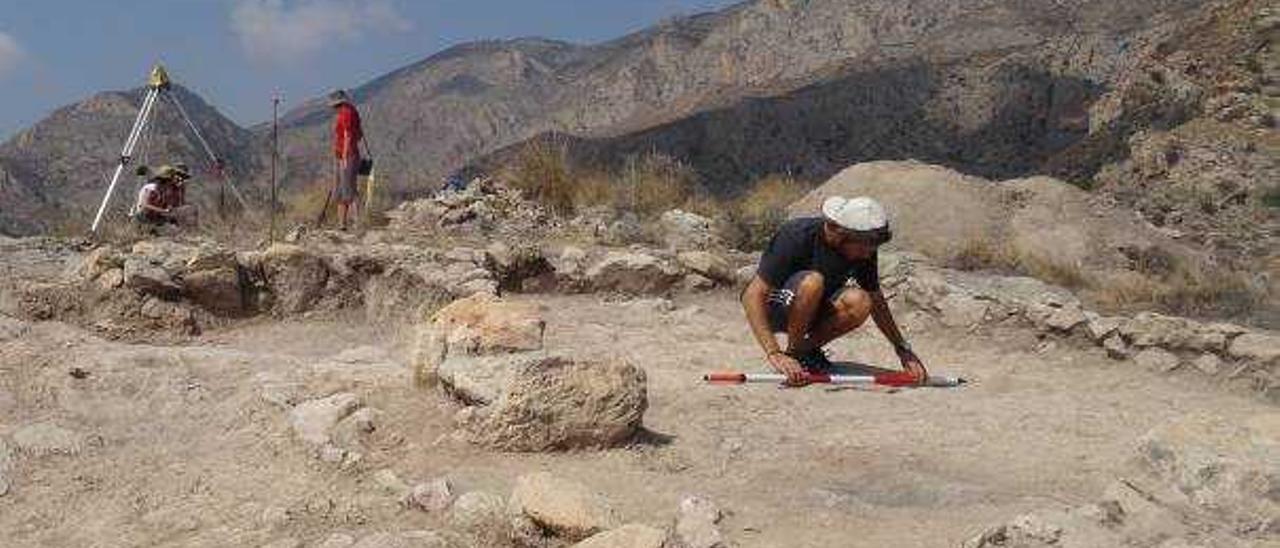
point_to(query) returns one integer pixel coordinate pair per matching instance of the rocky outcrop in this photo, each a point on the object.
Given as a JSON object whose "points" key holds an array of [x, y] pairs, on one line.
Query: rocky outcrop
{"points": [[1231, 354]]}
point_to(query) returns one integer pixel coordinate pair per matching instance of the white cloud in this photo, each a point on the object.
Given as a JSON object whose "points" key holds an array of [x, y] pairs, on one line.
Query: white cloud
{"points": [[10, 54], [281, 31]]}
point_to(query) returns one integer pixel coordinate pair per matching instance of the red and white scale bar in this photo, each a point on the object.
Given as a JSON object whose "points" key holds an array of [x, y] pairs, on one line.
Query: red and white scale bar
{"points": [[885, 379]]}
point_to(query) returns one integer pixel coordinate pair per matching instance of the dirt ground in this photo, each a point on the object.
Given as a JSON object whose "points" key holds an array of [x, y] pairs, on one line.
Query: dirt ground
{"points": [[180, 446]]}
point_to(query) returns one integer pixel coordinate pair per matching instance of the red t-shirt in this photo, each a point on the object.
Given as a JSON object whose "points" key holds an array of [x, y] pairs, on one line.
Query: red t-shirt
{"points": [[346, 133]]}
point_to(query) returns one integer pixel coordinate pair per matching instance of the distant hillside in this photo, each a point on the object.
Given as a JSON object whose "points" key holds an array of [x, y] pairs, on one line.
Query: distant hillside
{"points": [[58, 169], [994, 87]]}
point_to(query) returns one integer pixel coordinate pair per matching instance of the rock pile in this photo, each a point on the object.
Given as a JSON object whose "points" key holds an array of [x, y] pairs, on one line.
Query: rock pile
{"points": [[487, 354]]}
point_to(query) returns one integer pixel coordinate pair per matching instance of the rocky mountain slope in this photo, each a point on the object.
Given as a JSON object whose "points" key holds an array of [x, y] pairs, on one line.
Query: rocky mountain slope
{"points": [[769, 86]]}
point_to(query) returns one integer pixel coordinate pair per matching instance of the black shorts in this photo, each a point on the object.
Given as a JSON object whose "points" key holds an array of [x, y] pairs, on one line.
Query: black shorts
{"points": [[779, 302]]}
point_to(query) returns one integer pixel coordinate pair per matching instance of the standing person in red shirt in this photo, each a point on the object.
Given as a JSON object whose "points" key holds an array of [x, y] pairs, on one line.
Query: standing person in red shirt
{"points": [[347, 134]]}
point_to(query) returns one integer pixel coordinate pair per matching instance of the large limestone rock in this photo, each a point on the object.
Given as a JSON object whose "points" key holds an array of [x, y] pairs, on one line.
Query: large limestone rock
{"points": [[687, 230], [479, 325], [632, 273], [569, 509], [946, 214], [295, 276], [553, 403], [483, 516], [149, 277], [708, 264], [1256, 347], [216, 286]]}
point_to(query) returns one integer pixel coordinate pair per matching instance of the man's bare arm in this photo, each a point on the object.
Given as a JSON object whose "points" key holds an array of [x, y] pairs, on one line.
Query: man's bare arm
{"points": [[883, 317], [755, 304]]}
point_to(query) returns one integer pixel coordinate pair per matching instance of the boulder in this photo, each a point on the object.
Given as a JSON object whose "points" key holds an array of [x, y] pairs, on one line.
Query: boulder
{"points": [[149, 278], [567, 508], [632, 273], [1149, 329], [695, 525], [102, 259], [314, 420], [480, 380], [479, 325], [215, 289], [686, 230], [1065, 319], [631, 535], [552, 403], [708, 264], [482, 515], [511, 266], [1100, 328], [1254, 346], [295, 276]]}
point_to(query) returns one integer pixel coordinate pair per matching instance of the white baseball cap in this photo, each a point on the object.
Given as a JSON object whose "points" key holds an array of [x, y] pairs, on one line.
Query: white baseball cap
{"points": [[861, 214]]}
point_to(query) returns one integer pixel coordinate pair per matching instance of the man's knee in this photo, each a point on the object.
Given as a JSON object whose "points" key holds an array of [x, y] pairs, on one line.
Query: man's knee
{"points": [[811, 284], [853, 305]]}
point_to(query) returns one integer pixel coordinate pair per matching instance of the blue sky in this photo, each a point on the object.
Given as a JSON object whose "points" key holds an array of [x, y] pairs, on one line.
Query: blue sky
{"points": [[235, 53]]}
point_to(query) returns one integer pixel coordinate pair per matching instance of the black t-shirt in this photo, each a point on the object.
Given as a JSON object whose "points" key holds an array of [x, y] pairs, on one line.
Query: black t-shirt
{"points": [[798, 246]]}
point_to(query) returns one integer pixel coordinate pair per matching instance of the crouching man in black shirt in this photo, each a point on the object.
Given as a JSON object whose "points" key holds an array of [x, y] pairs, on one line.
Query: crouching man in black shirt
{"points": [[802, 287]]}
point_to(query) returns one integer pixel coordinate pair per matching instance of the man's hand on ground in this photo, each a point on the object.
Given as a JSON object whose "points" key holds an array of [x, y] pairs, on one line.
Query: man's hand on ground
{"points": [[912, 364], [788, 366]]}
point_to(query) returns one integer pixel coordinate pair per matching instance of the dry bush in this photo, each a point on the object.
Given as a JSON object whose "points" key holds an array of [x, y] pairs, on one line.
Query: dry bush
{"points": [[541, 172], [652, 184], [303, 206], [751, 219], [1186, 291], [593, 189]]}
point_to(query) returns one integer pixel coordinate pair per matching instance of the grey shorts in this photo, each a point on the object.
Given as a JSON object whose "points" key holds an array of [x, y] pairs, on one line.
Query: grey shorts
{"points": [[779, 302], [347, 190]]}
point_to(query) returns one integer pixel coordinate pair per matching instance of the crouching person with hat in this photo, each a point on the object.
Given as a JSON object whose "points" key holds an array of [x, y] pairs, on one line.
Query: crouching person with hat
{"points": [[803, 288], [162, 200]]}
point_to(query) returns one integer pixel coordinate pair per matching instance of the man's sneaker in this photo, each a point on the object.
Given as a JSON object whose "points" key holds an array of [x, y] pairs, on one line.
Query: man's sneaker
{"points": [[815, 360]]}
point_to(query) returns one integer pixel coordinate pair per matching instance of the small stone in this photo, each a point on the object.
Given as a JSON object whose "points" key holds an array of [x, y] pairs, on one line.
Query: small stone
{"points": [[697, 282], [1116, 347], [632, 535], [337, 540], [1065, 319], [433, 496], [1155, 359], [1101, 328], [46, 438], [314, 420], [390, 483], [1208, 364], [696, 521]]}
